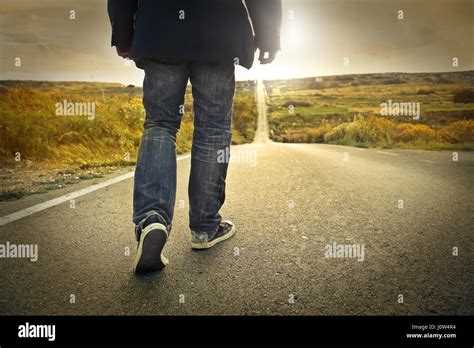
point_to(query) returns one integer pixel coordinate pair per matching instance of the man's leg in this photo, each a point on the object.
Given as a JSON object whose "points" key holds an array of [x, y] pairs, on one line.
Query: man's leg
{"points": [[164, 88], [213, 92]]}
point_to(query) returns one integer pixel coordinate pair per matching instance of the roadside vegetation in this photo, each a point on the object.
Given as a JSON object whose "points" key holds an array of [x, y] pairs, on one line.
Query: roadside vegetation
{"points": [[346, 110], [38, 146], [30, 127]]}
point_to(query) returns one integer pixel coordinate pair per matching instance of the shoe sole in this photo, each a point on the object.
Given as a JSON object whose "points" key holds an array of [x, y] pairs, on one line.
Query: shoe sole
{"points": [[150, 256], [201, 246]]}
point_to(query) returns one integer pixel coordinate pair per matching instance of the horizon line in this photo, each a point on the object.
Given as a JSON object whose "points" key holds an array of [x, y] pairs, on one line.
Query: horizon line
{"points": [[247, 80]]}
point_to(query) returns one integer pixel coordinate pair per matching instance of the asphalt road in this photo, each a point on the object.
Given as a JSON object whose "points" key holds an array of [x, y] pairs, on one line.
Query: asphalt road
{"points": [[288, 205]]}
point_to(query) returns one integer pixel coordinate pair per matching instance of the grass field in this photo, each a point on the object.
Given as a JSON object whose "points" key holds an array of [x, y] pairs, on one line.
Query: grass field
{"points": [[347, 109], [31, 128], [41, 150]]}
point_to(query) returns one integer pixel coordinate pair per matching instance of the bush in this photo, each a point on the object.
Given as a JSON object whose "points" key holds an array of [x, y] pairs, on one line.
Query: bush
{"points": [[244, 116], [412, 133], [132, 113], [372, 130], [312, 135], [338, 133], [316, 135], [459, 132], [382, 132]]}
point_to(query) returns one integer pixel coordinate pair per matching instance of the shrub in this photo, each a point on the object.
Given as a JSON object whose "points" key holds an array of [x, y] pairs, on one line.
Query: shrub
{"points": [[244, 116], [458, 132], [336, 134], [372, 130], [132, 113], [316, 135], [412, 133]]}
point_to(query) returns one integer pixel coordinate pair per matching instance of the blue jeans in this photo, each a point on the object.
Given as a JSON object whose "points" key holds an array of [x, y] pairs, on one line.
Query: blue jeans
{"points": [[164, 89]]}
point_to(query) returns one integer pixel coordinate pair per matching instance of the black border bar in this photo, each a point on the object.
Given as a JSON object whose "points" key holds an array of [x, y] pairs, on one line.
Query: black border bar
{"points": [[195, 330]]}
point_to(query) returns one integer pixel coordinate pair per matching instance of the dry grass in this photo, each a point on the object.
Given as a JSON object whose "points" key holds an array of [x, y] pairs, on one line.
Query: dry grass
{"points": [[30, 127], [347, 110]]}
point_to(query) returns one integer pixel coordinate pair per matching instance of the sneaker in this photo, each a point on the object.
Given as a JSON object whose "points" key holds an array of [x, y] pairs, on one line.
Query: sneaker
{"points": [[201, 240], [150, 256]]}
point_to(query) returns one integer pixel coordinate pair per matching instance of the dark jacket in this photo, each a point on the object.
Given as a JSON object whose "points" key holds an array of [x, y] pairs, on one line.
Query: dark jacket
{"points": [[211, 30]]}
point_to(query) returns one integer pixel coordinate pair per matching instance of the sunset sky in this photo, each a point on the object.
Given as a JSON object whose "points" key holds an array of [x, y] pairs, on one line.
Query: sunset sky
{"points": [[316, 36]]}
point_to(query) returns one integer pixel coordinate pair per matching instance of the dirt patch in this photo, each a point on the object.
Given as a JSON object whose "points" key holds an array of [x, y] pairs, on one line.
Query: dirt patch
{"points": [[28, 178]]}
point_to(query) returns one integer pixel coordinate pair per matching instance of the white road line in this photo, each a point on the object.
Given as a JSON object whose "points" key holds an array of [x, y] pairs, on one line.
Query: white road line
{"points": [[387, 153], [353, 148], [56, 201]]}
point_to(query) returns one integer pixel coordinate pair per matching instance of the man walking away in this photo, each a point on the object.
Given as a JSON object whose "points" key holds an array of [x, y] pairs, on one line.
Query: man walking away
{"points": [[176, 41]]}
